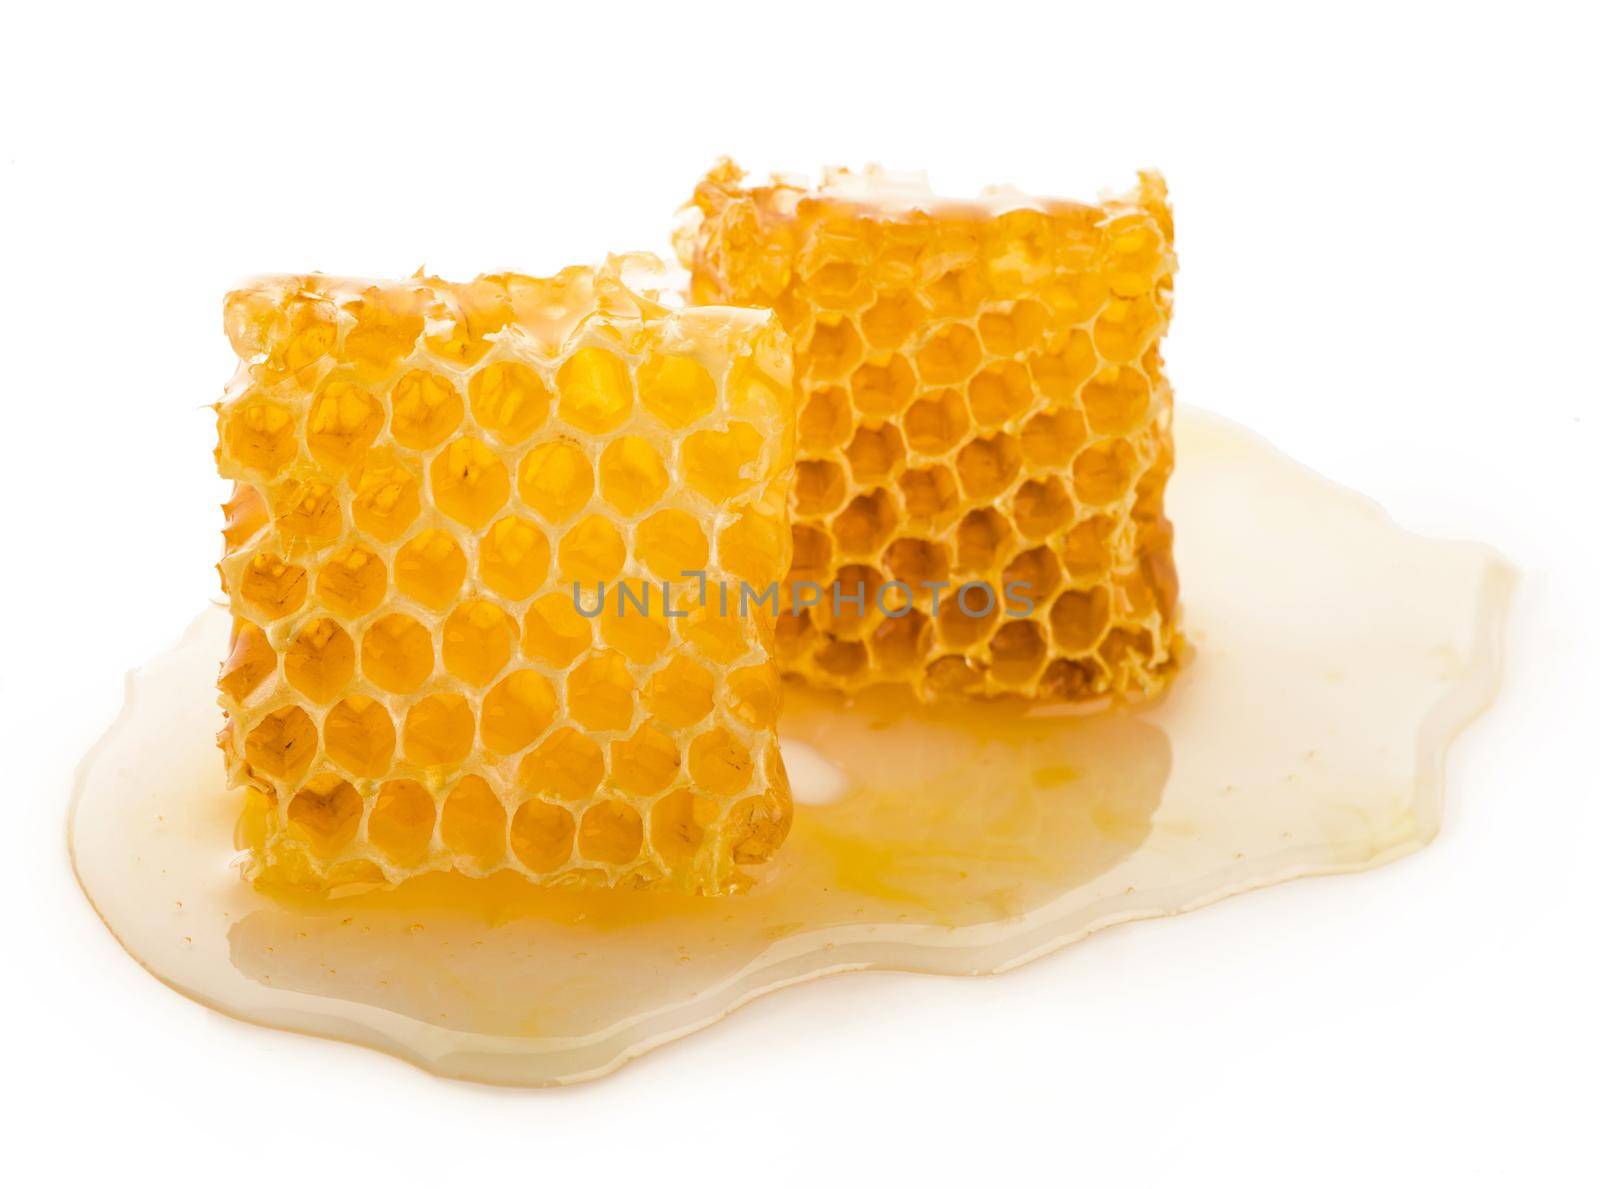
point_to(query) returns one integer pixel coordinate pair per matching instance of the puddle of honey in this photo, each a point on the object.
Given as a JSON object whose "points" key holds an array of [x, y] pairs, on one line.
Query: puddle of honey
{"points": [[1335, 658]]}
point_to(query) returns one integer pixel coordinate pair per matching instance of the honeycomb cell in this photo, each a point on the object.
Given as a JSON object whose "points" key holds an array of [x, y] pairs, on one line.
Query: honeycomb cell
{"points": [[833, 350], [1029, 580], [678, 824], [1051, 439], [719, 634], [898, 645], [1116, 401], [632, 475], [680, 693], [425, 409], [891, 319], [819, 487], [279, 327], [472, 823], [352, 582], [407, 649], [387, 323], [755, 548], [866, 523], [556, 480], [1076, 297], [849, 604], [756, 696], [981, 538], [930, 494], [1000, 393], [1103, 472], [271, 586], [1119, 643], [719, 464], [677, 389], [875, 454], [397, 654], [438, 731], [308, 517], [541, 835], [1126, 328], [952, 677], [1068, 680], [839, 284], [568, 765], [719, 764], [611, 832], [813, 555], [1079, 618], [1041, 508], [596, 390], [671, 543], [401, 822], [517, 711], [554, 632], [646, 763], [1059, 372], [592, 551], [760, 823], [344, 421], [321, 661], [462, 317], [968, 614], [430, 568], [246, 515], [513, 558], [326, 814], [282, 744], [359, 736], [757, 387], [937, 423], [387, 497], [250, 662], [987, 466], [883, 388], [508, 400], [1019, 251], [470, 483], [955, 293], [261, 436], [918, 562], [477, 641], [1088, 548], [1015, 331], [949, 355], [600, 692], [1134, 248], [826, 419], [1018, 652], [634, 623]]}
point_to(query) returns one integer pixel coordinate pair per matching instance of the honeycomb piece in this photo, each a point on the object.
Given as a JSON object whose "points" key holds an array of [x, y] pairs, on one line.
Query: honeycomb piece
{"points": [[984, 428], [422, 471]]}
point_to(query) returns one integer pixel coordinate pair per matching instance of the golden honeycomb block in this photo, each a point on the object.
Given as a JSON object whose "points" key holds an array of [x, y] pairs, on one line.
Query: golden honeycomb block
{"points": [[984, 428], [454, 510]]}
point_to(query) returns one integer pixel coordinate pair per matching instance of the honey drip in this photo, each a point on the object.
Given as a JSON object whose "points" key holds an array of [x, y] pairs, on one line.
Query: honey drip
{"points": [[1306, 735]]}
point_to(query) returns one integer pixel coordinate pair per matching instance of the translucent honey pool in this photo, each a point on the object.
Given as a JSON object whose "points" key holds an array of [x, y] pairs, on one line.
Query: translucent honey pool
{"points": [[1335, 658]]}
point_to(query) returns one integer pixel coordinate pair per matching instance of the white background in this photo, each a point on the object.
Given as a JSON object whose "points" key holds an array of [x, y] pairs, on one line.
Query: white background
{"points": [[1387, 234]]}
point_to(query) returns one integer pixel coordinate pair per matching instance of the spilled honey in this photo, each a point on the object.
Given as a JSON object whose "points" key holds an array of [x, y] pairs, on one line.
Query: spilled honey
{"points": [[1335, 658]]}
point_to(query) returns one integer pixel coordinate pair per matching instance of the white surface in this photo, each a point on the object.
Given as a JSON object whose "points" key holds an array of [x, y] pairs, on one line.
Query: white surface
{"points": [[1388, 262]]}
